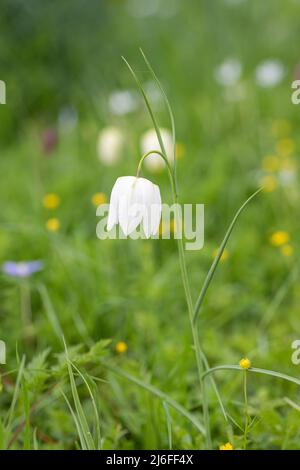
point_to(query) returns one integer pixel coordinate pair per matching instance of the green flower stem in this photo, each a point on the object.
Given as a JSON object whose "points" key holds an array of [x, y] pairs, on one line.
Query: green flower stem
{"points": [[246, 409], [174, 184], [198, 352]]}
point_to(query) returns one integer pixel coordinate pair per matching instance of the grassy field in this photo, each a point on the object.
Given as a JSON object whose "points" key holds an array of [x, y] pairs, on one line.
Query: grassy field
{"points": [[126, 377]]}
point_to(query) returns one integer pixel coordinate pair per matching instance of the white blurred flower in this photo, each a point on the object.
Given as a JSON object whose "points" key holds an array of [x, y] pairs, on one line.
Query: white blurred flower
{"points": [[142, 8], [122, 102], [109, 145], [269, 73], [150, 142], [229, 72], [287, 177], [134, 201], [67, 119]]}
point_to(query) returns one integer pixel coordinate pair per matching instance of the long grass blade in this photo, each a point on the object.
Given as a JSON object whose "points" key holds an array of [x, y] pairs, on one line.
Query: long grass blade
{"points": [[169, 108], [51, 314], [256, 370], [215, 263], [169, 424], [148, 106], [97, 419], [79, 410]]}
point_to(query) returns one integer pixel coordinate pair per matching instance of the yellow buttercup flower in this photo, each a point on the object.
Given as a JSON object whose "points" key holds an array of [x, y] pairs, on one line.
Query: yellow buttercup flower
{"points": [[286, 250], [224, 256], [226, 446], [268, 183], [51, 201], [245, 363], [285, 147], [98, 199], [279, 238], [281, 128], [271, 163], [53, 225], [121, 347]]}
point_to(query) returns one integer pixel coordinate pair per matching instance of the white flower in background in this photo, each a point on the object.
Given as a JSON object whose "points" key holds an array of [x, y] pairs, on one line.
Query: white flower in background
{"points": [[269, 73], [134, 201], [287, 177], [150, 142], [109, 145], [67, 119], [229, 72], [122, 102], [153, 93]]}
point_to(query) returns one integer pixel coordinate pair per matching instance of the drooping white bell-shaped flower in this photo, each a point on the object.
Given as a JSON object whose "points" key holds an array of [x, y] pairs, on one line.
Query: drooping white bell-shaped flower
{"points": [[134, 201]]}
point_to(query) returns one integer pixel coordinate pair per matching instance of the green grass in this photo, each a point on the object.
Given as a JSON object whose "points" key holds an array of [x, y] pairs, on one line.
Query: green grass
{"points": [[86, 395]]}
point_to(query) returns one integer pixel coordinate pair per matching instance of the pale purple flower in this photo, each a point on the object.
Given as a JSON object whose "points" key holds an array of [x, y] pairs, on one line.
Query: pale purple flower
{"points": [[22, 268]]}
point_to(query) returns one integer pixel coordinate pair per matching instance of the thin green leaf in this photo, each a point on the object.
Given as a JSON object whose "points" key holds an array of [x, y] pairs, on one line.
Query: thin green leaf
{"points": [[51, 314], [273, 373], [158, 393], [148, 106], [79, 410], [156, 79], [26, 406], [97, 419], [215, 263], [11, 410], [78, 427]]}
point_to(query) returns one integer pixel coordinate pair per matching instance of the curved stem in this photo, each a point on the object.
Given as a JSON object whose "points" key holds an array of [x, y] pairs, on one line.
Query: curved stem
{"points": [[173, 181], [151, 152]]}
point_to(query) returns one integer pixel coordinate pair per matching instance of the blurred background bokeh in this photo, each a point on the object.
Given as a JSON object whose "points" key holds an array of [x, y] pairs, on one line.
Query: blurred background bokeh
{"points": [[72, 123]]}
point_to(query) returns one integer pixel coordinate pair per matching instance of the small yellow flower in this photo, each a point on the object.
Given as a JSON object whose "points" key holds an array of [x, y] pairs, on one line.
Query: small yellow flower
{"points": [[286, 250], [121, 347], [271, 163], [245, 363], [279, 238], [224, 257], [285, 147], [281, 128], [98, 199], [180, 150], [226, 446], [269, 183], [51, 201], [53, 225]]}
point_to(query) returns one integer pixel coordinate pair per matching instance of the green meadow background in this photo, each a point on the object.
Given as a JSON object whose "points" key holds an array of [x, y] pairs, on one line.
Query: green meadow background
{"points": [[63, 58]]}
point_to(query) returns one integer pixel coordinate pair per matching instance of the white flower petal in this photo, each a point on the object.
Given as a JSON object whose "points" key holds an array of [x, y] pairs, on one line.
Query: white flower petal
{"points": [[156, 211]]}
